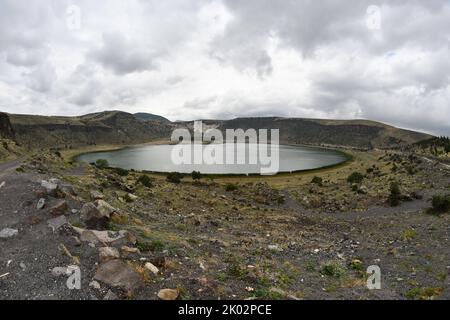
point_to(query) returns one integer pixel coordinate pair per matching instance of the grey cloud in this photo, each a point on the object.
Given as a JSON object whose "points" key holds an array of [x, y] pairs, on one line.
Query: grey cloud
{"points": [[122, 56]]}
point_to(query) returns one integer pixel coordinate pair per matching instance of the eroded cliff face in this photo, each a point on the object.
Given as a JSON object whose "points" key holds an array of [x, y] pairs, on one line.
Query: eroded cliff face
{"points": [[96, 129], [6, 129]]}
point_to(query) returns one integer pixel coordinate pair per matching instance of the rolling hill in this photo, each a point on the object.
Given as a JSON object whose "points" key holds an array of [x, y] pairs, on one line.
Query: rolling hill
{"points": [[116, 127]]}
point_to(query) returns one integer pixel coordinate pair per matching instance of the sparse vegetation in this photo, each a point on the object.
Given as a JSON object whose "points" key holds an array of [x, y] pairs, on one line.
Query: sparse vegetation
{"points": [[395, 194], [146, 181], [121, 172], [196, 175], [333, 270], [355, 177], [423, 293], [440, 204], [317, 180], [175, 177], [231, 187], [101, 163]]}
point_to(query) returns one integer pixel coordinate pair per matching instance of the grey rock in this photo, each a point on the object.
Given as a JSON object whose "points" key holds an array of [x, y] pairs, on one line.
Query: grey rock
{"points": [[50, 187], [108, 253], [40, 204], [94, 284], [56, 223], [110, 296], [59, 208], [8, 233], [59, 271], [68, 189], [96, 195], [117, 273], [93, 217]]}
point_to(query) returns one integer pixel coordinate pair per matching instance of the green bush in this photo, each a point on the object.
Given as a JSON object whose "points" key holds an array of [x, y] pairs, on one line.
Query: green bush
{"points": [[121, 172], [231, 187], [146, 181], [440, 203], [101, 163], [5, 145], [317, 180], [175, 177], [395, 194], [196, 175], [355, 177], [333, 270]]}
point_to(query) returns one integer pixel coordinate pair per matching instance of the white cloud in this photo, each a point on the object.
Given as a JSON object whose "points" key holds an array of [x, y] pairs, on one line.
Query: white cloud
{"points": [[188, 59]]}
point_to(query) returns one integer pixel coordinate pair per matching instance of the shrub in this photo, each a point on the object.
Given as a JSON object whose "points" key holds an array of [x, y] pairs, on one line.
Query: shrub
{"points": [[440, 203], [355, 177], [196, 175], [231, 187], [146, 181], [121, 172], [333, 270], [174, 177], [5, 145], [317, 180], [101, 163], [395, 194]]}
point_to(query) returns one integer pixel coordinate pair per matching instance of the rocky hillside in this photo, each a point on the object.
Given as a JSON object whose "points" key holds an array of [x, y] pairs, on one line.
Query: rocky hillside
{"points": [[116, 127], [6, 130], [112, 127], [150, 117], [352, 133]]}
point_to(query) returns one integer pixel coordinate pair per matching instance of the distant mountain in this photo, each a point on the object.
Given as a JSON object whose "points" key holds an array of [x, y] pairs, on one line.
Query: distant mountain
{"points": [[150, 117], [116, 127]]}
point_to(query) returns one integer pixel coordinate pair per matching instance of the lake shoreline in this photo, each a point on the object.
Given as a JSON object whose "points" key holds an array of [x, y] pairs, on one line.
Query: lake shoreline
{"points": [[76, 154]]}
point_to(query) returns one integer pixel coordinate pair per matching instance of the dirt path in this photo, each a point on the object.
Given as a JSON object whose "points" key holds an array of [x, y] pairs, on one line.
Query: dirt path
{"points": [[9, 165], [26, 259]]}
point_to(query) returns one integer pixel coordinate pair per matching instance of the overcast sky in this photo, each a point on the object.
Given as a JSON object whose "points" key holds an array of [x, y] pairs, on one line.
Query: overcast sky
{"points": [[187, 59]]}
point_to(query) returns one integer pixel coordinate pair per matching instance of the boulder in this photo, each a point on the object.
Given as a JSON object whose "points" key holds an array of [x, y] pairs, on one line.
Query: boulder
{"points": [[68, 189], [108, 253], [50, 187], [105, 209], [60, 208], [93, 218], [8, 233], [111, 238], [56, 223], [96, 195], [118, 274]]}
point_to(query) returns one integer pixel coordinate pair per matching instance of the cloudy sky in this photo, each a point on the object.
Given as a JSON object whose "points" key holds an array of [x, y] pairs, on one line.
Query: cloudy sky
{"points": [[187, 59]]}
